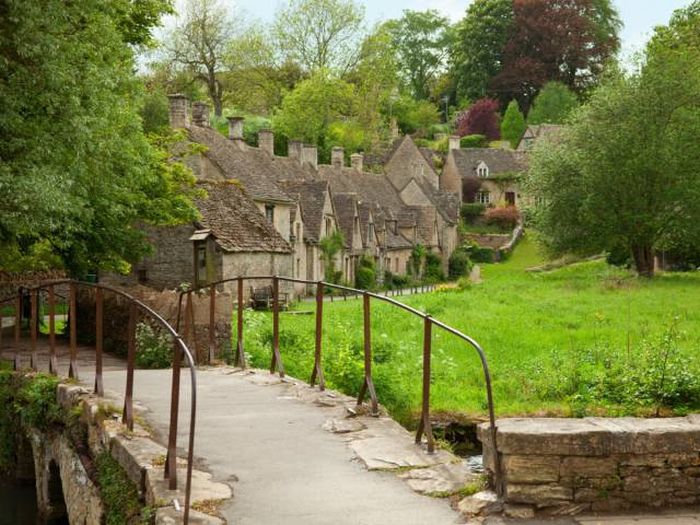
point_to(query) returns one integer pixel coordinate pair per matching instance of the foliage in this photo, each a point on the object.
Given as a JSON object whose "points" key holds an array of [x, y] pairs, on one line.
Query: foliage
{"points": [[36, 402], [366, 274], [154, 349], [637, 169], [421, 40], [416, 261], [330, 246], [198, 45], [481, 254], [480, 119], [459, 264], [470, 186], [433, 268], [320, 34], [513, 125], [477, 54], [474, 141], [470, 211], [565, 40], [506, 217], [118, 493], [415, 116], [553, 104], [67, 81]]}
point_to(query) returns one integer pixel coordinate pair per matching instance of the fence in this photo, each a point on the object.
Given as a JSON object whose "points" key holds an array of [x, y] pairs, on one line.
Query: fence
{"points": [[48, 289], [367, 389]]}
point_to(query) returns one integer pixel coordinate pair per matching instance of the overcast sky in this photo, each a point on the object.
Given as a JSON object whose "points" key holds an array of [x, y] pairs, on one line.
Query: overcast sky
{"points": [[639, 16]]}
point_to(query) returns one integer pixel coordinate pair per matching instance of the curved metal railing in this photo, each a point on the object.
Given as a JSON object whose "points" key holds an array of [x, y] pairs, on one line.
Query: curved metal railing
{"points": [[135, 305], [424, 425]]}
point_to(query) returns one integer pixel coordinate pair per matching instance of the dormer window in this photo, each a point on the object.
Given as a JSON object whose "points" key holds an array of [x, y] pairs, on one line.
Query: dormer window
{"points": [[482, 170]]}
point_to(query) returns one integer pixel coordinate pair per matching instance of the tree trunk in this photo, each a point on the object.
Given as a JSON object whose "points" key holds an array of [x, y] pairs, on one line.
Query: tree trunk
{"points": [[643, 260]]}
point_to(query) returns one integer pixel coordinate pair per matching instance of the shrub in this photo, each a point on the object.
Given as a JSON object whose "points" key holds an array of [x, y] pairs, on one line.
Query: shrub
{"points": [[471, 211], [459, 264], [154, 349], [365, 278], [482, 255], [474, 141], [506, 218], [433, 268]]}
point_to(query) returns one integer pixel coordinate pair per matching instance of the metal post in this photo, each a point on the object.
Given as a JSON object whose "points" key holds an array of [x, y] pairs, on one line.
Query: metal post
{"points": [[318, 370], [73, 313], [239, 360], [212, 324], [424, 426], [53, 365], [276, 363], [18, 329], [170, 470], [99, 339], [33, 325], [368, 384], [128, 414]]}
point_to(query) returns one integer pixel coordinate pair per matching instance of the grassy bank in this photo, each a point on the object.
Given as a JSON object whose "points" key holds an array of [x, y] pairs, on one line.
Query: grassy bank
{"points": [[587, 338]]}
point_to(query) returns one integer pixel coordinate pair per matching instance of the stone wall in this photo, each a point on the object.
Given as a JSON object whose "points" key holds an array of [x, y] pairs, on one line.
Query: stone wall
{"points": [[597, 464]]}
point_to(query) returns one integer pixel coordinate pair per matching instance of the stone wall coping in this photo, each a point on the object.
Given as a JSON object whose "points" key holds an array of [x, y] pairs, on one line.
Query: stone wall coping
{"points": [[595, 436]]}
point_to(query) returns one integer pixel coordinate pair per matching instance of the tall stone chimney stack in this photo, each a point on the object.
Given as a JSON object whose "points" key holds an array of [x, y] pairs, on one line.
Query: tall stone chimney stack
{"points": [[357, 161], [454, 142], [235, 131], [310, 155], [337, 157], [294, 148], [177, 110], [266, 141], [200, 114]]}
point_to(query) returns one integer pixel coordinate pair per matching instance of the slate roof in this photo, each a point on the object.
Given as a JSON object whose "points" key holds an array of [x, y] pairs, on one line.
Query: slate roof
{"points": [[498, 160], [312, 195], [235, 221], [254, 168], [425, 224], [396, 241], [364, 209], [429, 155], [344, 204]]}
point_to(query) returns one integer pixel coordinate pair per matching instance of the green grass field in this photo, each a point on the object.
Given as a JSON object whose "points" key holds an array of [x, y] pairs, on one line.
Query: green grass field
{"points": [[587, 338]]}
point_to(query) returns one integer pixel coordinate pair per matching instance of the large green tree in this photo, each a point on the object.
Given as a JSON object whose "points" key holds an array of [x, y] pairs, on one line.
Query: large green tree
{"points": [[421, 40], [477, 53], [76, 171], [513, 124], [624, 176], [553, 104]]}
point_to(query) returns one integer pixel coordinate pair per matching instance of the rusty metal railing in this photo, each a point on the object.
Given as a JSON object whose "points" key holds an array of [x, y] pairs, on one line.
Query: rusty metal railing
{"points": [[135, 305], [367, 388]]}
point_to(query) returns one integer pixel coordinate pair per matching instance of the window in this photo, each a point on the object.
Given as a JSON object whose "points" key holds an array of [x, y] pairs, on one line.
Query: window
{"points": [[371, 232], [298, 274], [270, 212], [357, 224], [298, 232], [201, 262], [329, 225], [483, 197], [482, 170]]}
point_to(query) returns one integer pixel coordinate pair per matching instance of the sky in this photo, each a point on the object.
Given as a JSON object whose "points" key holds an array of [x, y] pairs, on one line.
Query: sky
{"points": [[639, 16]]}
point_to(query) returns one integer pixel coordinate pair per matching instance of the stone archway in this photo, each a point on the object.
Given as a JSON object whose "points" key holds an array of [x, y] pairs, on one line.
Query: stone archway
{"points": [[54, 508]]}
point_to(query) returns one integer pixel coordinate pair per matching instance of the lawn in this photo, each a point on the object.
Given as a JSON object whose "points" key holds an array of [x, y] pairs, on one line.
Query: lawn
{"points": [[587, 338]]}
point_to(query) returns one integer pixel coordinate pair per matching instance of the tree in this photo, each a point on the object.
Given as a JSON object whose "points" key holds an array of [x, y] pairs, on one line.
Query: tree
{"points": [[480, 119], [76, 172], [553, 104], [320, 34], [422, 40], [625, 174], [513, 124], [198, 45], [307, 112], [477, 52], [565, 40], [415, 116]]}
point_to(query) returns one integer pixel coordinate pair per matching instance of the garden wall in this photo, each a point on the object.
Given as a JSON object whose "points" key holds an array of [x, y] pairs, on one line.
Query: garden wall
{"points": [[597, 464]]}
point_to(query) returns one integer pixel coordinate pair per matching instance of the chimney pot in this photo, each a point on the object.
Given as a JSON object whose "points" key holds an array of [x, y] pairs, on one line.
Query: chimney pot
{"points": [[454, 142], [200, 114], [337, 157], [177, 110], [357, 161], [310, 155], [266, 141]]}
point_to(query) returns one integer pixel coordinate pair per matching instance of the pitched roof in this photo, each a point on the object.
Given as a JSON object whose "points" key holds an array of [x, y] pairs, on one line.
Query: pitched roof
{"points": [[312, 196], [498, 160], [344, 204], [425, 224], [253, 167], [396, 241], [235, 221], [534, 133]]}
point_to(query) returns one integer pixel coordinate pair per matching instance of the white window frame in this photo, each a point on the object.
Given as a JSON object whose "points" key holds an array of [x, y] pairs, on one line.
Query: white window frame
{"points": [[482, 170], [483, 197]]}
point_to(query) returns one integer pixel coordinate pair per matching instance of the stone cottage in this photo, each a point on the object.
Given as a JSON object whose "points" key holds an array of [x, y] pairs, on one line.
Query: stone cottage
{"points": [[535, 133]]}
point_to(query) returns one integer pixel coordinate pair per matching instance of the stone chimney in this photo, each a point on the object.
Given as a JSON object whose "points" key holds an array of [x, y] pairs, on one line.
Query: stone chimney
{"points": [[394, 128], [310, 155], [294, 150], [266, 141], [357, 161], [200, 114], [235, 130], [337, 157], [454, 142], [177, 107]]}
